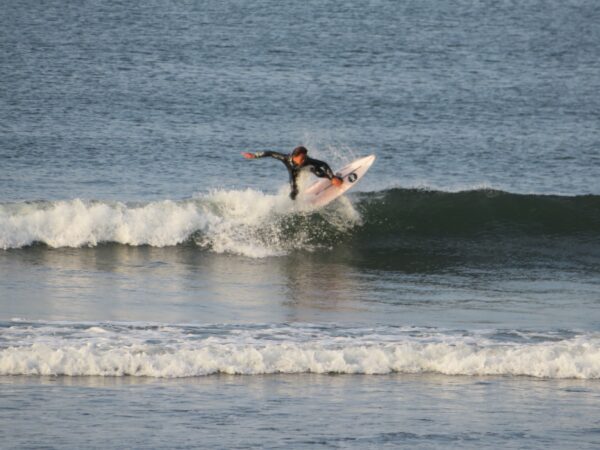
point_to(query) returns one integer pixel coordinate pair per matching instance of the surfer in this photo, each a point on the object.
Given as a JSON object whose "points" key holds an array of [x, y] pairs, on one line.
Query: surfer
{"points": [[297, 161]]}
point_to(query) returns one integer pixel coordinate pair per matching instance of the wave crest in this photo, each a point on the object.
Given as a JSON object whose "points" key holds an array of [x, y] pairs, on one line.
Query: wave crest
{"points": [[255, 224]]}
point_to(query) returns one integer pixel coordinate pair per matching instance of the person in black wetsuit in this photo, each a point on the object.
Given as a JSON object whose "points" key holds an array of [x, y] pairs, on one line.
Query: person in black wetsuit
{"points": [[297, 161]]}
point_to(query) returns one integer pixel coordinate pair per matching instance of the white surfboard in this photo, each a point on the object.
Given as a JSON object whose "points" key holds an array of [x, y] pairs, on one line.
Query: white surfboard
{"points": [[322, 191]]}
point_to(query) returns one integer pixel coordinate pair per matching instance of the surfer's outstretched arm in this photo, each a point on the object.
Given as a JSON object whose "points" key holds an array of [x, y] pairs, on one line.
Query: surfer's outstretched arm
{"points": [[285, 159], [276, 155]]}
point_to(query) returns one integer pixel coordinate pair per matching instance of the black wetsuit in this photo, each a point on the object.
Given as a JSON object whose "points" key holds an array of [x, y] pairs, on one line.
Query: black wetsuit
{"points": [[319, 168]]}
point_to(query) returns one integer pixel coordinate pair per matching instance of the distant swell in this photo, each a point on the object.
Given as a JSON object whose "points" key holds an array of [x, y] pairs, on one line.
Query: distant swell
{"points": [[170, 352], [255, 224]]}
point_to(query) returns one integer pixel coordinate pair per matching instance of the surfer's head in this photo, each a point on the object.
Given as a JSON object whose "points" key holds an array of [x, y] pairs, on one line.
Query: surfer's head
{"points": [[299, 155]]}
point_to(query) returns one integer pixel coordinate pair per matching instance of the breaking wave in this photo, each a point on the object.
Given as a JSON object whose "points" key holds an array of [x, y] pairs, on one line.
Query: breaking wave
{"points": [[240, 222], [110, 349], [255, 224]]}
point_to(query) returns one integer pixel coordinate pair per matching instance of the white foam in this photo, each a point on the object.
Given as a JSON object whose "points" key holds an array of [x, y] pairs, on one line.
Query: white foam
{"points": [[245, 222], [77, 223], [183, 352]]}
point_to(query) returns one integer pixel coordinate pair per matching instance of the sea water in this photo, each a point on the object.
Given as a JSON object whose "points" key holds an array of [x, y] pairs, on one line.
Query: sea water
{"points": [[158, 290]]}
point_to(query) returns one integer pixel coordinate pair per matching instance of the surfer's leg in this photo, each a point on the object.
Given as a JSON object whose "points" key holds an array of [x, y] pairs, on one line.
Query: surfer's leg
{"points": [[293, 185]]}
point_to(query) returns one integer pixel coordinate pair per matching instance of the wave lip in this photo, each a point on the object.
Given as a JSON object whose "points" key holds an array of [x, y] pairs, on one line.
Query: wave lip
{"points": [[173, 352]]}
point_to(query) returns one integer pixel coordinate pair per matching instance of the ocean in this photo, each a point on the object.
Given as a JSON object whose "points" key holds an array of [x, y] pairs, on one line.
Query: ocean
{"points": [[157, 290]]}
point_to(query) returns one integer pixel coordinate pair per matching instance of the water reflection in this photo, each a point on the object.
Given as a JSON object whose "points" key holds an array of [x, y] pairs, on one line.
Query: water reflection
{"points": [[185, 284], [176, 284]]}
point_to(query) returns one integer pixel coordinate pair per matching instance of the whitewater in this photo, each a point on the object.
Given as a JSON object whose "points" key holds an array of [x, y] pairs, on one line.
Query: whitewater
{"points": [[246, 222], [173, 351]]}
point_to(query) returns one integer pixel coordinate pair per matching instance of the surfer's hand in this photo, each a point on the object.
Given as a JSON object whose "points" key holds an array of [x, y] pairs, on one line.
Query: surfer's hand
{"points": [[248, 155], [337, 181]]}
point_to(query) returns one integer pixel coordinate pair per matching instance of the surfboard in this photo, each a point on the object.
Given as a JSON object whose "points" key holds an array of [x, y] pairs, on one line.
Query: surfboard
{"points": [[322, 192]]}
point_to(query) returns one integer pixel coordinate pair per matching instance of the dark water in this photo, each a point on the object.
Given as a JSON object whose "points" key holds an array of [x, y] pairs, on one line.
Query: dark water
{"points": [[455, 290]]}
